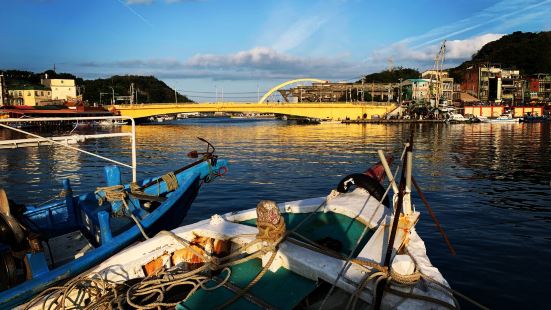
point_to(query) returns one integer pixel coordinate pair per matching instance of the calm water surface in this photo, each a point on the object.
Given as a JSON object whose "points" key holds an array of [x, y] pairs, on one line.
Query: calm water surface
{"points": [[488, 183]]}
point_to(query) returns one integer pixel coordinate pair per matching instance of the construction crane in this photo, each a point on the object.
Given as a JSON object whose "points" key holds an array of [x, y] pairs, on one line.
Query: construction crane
{"points": [[438, 69]]}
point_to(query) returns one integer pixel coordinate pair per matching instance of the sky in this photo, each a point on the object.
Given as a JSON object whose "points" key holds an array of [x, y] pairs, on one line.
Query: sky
{"points": [[205, 48]]}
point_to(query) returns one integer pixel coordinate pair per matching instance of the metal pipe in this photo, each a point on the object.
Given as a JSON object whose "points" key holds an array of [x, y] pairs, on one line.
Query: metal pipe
{"points": [[134, 161], [407, 196], [42, 119], [67, 146], [388, 171]]}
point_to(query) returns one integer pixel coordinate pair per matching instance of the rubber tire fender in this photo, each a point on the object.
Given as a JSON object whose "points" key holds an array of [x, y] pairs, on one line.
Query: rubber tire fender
{"points": [[372, 186]]}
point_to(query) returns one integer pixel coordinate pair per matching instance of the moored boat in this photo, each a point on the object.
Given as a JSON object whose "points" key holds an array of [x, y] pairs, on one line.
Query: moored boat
{"points": [[455, 118], [349, 248], [44, 245], [505, 118]]}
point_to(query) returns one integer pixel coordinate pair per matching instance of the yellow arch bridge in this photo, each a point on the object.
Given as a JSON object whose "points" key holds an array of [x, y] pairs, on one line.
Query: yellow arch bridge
{"points": [[325, 111]]}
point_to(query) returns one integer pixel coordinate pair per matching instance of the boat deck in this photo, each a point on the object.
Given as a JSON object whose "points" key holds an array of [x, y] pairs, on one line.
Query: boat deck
{"points": [[283, 289], [332, 230]]}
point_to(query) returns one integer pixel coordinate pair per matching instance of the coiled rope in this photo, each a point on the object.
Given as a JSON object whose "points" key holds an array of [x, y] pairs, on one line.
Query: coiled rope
{"points": [[117, 193]]}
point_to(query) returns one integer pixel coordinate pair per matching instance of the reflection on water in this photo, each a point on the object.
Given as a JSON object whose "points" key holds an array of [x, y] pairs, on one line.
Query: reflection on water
{"points": [[488, 183]]}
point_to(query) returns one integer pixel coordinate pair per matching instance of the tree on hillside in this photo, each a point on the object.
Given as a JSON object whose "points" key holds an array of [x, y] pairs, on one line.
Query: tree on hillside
{"points": [[391, 76]]}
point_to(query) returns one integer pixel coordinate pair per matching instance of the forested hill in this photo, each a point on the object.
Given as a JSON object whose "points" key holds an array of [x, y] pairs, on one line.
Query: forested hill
{"points": [[529, 52], [150, 89], [391, 76]]}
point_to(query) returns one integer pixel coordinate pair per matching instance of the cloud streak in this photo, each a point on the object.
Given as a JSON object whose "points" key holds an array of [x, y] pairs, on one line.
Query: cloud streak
{"points": [[502, 16], [127, 5]]}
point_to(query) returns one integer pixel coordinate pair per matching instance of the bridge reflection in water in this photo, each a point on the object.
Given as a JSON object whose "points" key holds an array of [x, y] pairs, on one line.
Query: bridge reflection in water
{"points": [[326, 111]]}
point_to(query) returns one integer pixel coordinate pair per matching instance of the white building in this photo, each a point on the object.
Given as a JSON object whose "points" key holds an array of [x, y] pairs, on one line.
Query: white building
{"points": [[62, 89], [416, 89]]}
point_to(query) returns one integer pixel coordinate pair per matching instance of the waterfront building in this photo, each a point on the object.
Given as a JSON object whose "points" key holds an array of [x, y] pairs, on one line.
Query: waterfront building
{"points": [[490, 82], [342, 92], [62, 89], [540, 87], [29, 95], [416, 89]]}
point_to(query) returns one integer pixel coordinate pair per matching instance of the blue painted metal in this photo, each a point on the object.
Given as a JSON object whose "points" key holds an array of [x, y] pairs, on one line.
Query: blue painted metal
{"points": [[37, 263], [112, 178], [104, 227], [166, 216]]}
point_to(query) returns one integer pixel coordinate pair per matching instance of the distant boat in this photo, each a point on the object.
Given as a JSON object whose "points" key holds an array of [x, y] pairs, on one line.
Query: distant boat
{"points": [[456, 118], [504, 118], [529, 118]]}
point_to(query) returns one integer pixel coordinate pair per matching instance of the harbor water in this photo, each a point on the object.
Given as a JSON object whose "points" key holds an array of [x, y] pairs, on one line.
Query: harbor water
{"points": [[489, 184]]}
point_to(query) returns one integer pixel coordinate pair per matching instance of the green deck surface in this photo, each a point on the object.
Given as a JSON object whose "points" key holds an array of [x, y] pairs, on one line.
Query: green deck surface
{"points": [[282, 289], [327, 224]]}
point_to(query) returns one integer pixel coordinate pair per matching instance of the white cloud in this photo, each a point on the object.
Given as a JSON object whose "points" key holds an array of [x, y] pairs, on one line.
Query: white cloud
{"points": [[298, 32], [422, 57], [256, 63], [464, 49]]}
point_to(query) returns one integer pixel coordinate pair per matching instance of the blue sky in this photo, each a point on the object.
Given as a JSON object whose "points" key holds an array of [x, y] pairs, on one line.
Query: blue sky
{"points": [[204, 45]]}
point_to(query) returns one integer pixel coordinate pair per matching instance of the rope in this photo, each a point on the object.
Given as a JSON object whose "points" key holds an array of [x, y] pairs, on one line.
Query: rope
{"points": [[118, 193], [171, 181], [63, 193]]}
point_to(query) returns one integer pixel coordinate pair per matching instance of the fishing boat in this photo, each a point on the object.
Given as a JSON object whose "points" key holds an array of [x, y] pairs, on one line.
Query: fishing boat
{"points": [[530, 118], [347, 249], [455, 118], [41, 246], [504, 118]]}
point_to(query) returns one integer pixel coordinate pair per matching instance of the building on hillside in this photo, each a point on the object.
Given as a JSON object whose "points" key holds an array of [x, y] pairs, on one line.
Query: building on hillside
{"points": [[29, 95], [540, 87], [341, 92], [433, 74], [62, 89], [416, 89], [490, 82]]}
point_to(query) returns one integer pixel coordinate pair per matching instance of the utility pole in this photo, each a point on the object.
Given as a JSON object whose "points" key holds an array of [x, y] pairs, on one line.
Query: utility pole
{"points": [[400, 92], [131, 93], [363, 91], [113, 95], [175, 96], [372, 90], [216, 93]]}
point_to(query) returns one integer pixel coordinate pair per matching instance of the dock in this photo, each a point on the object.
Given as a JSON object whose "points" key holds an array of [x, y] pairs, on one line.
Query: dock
{"points": [[391, 121]]}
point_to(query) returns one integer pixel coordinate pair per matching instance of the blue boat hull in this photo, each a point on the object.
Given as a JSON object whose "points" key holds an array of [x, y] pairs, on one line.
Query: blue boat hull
{"points": [[167, 215]]}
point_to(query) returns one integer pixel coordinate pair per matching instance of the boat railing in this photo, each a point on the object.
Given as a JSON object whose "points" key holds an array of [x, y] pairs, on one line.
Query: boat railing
{"points": [[65, 141]]}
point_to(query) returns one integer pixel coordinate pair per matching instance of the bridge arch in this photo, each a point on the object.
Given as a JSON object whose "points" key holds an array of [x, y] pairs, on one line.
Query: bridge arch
{"points": [[274, 89]]}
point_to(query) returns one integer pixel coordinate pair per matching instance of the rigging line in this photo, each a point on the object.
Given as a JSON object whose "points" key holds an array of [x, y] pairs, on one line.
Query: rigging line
{"points": [[214, 92]]}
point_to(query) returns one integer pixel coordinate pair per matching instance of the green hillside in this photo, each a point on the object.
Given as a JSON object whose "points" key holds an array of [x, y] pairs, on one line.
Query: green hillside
{"points": [[150, 89], [529, 52], [391, 76]]}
